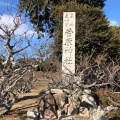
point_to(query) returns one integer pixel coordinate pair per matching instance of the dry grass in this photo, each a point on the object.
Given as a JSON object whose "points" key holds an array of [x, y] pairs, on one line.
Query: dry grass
{"points": [[26, 101]]}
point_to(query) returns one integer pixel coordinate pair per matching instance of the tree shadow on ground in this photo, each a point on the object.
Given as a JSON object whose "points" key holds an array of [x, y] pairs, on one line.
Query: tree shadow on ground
{"points": [[27, 97], [115, 118]]}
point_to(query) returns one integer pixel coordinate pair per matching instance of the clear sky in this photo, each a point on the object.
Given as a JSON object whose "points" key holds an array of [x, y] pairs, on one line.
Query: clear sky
{"points": [[112, 11]]}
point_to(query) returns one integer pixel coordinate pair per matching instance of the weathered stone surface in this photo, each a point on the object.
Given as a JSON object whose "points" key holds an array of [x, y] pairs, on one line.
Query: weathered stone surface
{"points": [[89, 99], [47, 106], [72, 117], [98, 114], [58, 91], [60, 99], [87, 91], [66, 118], [59, 113], [84, 113], [65, 109], [54, 104], [31, 114], [72, 107]]}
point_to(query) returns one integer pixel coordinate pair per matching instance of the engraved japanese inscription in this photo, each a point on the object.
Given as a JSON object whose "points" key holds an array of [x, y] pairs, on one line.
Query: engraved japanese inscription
{"points": [[68, 54]]}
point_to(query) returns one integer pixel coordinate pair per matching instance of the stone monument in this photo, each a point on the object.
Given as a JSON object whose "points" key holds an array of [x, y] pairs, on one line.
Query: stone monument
{"points": [[68, 54]]}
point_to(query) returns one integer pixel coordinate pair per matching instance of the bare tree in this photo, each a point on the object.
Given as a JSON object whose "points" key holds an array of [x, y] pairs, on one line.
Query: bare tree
{"points": [[15, 77], [91, 74]]}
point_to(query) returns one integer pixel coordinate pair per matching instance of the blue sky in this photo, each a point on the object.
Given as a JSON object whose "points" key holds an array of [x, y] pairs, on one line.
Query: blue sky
{"points": [[8, 13], [112, 11]]}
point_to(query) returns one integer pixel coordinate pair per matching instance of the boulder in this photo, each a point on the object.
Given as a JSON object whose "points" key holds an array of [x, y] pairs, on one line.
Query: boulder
{"points": [[98, 114], [47, 106], [89, 99], [61, 100], [54, 103], [72, 109]]}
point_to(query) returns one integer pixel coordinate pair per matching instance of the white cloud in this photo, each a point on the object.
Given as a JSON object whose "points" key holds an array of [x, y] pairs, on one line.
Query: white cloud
{"points": [[8, 21], [113, 23]]}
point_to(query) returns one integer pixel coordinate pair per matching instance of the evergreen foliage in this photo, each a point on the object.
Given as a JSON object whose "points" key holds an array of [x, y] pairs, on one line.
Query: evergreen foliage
{"points": [[114, 48], [93, 33], [92, 29], [40, 11]]}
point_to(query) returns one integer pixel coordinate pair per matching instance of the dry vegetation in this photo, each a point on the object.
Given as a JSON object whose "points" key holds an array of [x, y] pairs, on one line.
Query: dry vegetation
{"points": [[29, 100], [113, 115], [25, 101]]}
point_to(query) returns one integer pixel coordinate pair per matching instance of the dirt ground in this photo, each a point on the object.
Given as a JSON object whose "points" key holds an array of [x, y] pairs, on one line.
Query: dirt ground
{"points": [[26, 101]]}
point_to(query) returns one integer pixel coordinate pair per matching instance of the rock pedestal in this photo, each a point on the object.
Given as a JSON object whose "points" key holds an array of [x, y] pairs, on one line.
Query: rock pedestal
{"points": [[54, 104]]}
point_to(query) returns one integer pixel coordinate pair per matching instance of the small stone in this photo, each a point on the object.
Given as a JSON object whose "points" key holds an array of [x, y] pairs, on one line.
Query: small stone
{"points": [[89, 99], [87, 91], [31, 114], [84, 112]]}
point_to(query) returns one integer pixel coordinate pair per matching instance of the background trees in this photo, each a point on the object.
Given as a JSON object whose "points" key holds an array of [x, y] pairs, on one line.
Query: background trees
{"points": [[94, 36], [92, 31], [40, 11], [92, 28], [114, 50]]}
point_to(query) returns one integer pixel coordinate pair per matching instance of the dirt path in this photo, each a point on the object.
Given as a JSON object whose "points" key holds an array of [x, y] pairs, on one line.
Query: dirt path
{"points": [[26, 101]]}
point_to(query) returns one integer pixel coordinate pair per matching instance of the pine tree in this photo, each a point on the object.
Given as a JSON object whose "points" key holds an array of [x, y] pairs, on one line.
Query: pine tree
{"points": [[92, 28], [39, 12]]}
